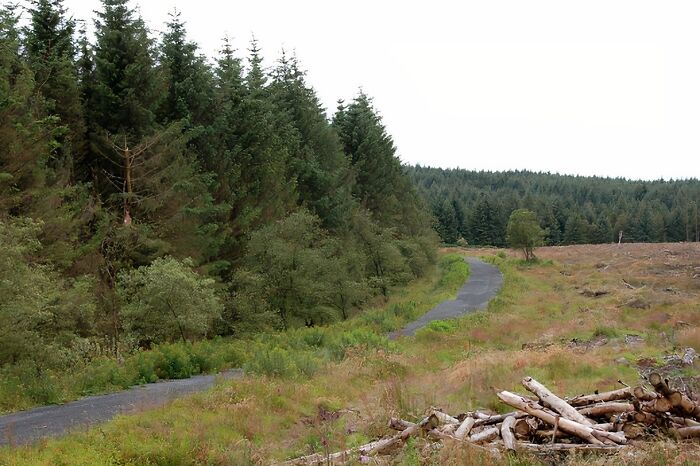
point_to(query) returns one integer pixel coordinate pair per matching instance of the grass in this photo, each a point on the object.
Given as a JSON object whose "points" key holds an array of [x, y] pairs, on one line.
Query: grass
{"points": [[348, 397]]}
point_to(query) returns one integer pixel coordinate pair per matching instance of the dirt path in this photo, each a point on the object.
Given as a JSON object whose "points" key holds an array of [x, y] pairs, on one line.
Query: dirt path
{"points": [[49, 421], [484, 282]]}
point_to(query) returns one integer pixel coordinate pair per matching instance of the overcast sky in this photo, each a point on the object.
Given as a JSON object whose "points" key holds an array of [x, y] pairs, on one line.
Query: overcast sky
{"points": [[609, 88]]}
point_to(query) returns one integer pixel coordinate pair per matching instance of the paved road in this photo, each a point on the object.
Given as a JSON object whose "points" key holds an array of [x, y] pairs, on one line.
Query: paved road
{"points": [[49, 421], [484, 282]]}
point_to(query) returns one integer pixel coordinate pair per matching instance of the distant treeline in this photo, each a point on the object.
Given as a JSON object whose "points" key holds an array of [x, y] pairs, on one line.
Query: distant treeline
{"points": [[475, 206], [149, 194]]}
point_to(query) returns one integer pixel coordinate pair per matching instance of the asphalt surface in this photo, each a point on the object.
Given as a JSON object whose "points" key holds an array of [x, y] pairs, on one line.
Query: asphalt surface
{"points": [[50, 421], [484, 282]]}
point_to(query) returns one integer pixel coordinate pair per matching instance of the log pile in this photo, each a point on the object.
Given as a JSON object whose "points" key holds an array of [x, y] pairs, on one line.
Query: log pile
{"points": [[546, 423]]}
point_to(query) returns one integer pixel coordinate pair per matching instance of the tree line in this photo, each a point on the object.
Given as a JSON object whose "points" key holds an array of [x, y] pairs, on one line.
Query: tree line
{"points": [[150, 194], [474, 207]]}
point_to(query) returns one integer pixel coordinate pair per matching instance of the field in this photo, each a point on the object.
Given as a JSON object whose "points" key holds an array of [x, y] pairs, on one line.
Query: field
{"points": [[580, 319]]}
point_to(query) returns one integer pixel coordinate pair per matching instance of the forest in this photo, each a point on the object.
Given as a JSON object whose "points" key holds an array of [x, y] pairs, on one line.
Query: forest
{"points": [[471, 207], [150, 194]]}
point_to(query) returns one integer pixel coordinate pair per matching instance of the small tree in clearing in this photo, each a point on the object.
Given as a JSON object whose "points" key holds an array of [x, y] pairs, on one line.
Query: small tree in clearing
{"points": [[524, 232], [168, 300]]}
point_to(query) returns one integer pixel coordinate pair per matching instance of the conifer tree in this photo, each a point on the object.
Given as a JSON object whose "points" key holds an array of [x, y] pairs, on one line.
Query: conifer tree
{"points": [[125, 93], [316, 159], [51, 56]]}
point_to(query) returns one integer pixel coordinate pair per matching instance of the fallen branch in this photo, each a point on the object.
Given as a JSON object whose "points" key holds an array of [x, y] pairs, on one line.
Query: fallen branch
{"points": [[606, 409], [614, 395]]}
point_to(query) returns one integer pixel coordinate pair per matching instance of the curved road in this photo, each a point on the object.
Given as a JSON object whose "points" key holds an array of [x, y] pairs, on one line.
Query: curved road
{"points": [[484, 282], [50, 421]]}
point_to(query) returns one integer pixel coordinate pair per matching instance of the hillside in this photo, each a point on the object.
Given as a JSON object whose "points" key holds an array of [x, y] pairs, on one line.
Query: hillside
{"points": [[475, 206]]}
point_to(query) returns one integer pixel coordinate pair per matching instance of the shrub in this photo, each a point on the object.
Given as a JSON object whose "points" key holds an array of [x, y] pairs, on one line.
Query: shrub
{"points": [[444, 326], [167, 300], [272, 362], [174, 362]]}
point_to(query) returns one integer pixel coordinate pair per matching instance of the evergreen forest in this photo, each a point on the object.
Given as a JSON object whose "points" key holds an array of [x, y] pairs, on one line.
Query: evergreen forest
{"points": [[471, 207], [150, 194]]}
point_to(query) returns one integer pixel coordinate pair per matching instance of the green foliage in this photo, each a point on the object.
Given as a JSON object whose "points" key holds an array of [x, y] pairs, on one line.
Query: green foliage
{"points": [[524, 232], [40, 314], [167, 300], [121, 158], [571, 209]]}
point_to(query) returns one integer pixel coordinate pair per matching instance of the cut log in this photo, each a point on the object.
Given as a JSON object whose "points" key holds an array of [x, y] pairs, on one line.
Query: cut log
{"points": [[606, 409], [498, 418], [464, 428], [614, 395], [659, 384], [445, 418], [634, 430], [346, 456], [686, 421], [687, 432], [550, 400], [582, 431], [399, 424], [507, 432], [643, 394], [684, 405], [524, 428], [658, 405], [645, 418], [485, 435]]}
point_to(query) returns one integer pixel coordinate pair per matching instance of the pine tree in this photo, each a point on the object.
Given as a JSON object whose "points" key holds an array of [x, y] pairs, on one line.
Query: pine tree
{"points": [[316, 159], [371, 153], [26, 132], [51, 55], [187, 78], [249, 156], [125, 93]]}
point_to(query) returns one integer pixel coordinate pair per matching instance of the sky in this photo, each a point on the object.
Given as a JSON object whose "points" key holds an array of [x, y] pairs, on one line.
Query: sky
{"points": [[606, 88]]}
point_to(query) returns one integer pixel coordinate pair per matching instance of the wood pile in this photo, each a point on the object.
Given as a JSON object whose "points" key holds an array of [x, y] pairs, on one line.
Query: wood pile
{"points": [[546, 423]]}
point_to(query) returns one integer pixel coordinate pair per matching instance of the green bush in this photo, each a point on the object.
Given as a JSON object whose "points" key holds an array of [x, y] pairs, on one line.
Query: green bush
{"points": [[174, 362], [104, 374], [272, 362], [443, 326]]}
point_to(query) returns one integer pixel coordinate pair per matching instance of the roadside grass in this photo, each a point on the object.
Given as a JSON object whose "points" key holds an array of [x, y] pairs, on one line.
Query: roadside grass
{"points": [[541, 325]]}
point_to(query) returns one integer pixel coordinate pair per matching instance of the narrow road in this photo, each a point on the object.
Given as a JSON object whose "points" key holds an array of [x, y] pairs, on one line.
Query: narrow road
{"points": [[484, 282], [50, 421]]}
